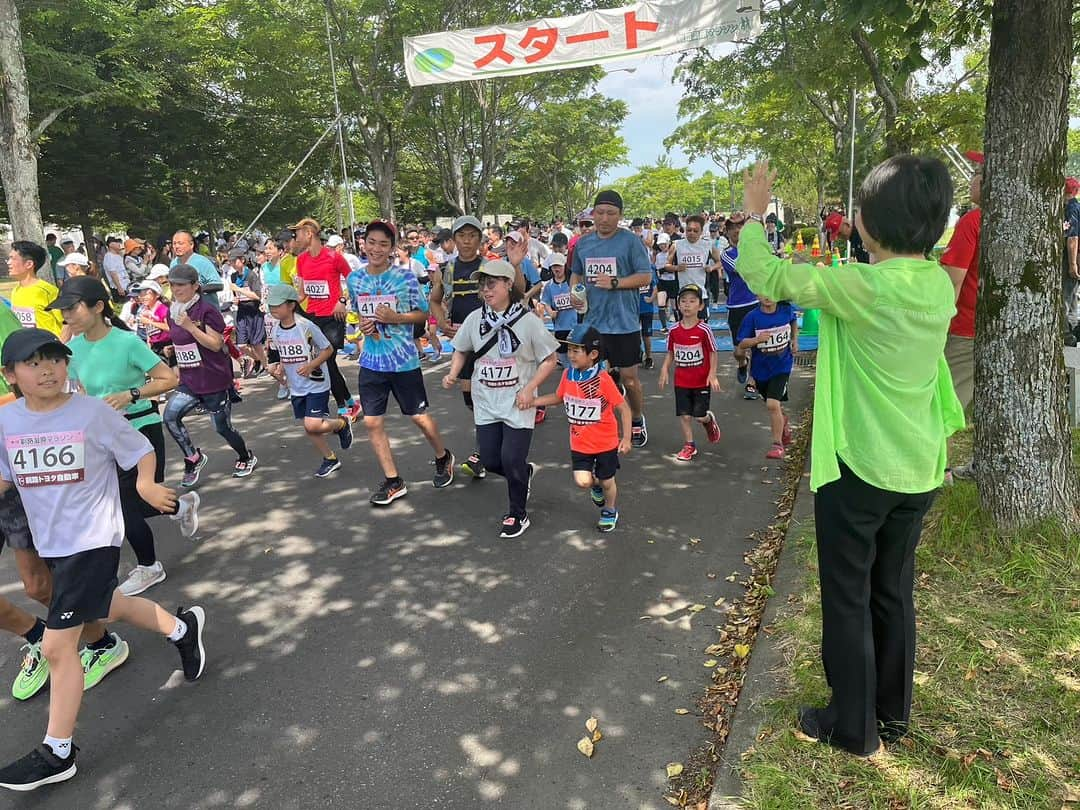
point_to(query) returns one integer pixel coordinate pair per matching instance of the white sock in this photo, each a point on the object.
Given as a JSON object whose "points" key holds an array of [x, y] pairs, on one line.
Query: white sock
{"points": [[179, 632], [62, 748]]}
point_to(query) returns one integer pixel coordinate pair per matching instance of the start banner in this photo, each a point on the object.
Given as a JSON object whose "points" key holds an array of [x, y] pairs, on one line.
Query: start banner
{"points": [[592, 38]]}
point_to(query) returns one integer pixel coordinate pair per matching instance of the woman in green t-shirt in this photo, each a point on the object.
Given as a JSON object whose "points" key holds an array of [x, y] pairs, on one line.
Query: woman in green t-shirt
{"points": [[111, 362], [883, 407]]}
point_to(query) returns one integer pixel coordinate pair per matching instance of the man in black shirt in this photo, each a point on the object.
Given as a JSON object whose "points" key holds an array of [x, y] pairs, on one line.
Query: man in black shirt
{"points": [[851, 234]]}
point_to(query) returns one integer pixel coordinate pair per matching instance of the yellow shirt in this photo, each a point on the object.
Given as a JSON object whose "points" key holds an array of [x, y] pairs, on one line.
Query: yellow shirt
{"points": [[28, 303], [288, 269]]}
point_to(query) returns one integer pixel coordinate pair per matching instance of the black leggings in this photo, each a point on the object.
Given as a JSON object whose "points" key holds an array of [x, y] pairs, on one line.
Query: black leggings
{"points": [[335, 333], [134, 508], [505, 451]]}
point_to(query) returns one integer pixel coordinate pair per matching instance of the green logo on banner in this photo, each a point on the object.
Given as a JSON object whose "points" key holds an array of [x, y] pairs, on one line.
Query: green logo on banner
{"points": [[434, 60]]}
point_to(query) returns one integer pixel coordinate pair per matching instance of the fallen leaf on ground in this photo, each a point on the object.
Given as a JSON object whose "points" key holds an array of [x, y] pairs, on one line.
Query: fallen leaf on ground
{"points": [[921, 678], [719, 602], [591, 724], [713, 649], [988, 644], [682, 711], [694, 541], [661, 679], [597, 736], [969, 675], [673, 769], [1072, 794], [585, 746], [1003, 781], [712, 662], [742, 650], [696, 608], [732, 578], [672, 800]]}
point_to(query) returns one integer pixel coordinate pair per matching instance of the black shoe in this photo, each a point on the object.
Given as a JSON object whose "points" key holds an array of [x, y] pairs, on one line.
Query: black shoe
{"points": [[444, 471], [192, 652], [514, 526], [648, 362], [389, 492], [532, 472], [40, 767]]}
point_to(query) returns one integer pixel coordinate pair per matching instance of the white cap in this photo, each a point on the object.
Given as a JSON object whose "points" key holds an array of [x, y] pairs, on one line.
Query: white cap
{"points": [[554, 258], [334, 241], [148, 285], [75, 258], [663, 239], [515, 235], [158, 271]]}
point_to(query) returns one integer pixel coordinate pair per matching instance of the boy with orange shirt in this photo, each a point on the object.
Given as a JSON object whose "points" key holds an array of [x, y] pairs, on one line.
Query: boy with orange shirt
{"points": [[592, 401]]}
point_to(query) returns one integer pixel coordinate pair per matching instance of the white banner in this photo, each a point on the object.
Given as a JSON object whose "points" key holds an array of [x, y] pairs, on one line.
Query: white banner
{"points": [[592, 38]]}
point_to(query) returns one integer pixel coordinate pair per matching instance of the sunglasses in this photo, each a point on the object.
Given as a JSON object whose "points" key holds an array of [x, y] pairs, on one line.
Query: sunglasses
{"points": [[489, 282]]}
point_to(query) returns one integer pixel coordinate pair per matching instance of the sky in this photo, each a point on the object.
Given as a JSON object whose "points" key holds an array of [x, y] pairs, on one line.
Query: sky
{"points": [[653, 101]]}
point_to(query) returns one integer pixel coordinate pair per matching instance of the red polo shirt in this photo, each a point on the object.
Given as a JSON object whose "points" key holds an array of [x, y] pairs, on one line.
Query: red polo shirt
{"points": [[963, 251], [320, 280]]}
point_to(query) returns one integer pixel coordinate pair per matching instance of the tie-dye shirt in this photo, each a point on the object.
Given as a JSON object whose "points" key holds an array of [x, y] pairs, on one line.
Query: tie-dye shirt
{"points": [[393, 348]]}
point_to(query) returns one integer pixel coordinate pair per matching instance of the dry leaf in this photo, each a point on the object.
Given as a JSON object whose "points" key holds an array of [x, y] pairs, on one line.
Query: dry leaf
{"points": [[597, 736], [672, 800], [695, 540], [718, 602], [591, 724], [696, 608], [921, 678], [585, 746], [673, 769], [1072, 794], [742, 650], [732, 578], [714, 649], [1003, 781], [712, 662], [682, 711], [988, 644], [969, 675], [661, 679]]}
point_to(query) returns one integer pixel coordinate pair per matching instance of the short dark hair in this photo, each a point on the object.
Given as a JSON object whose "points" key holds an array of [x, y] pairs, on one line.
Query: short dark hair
{"points": [[32, 251], [698, 218], [497, 229], [49, 236], [385, 227], [905, 203]]}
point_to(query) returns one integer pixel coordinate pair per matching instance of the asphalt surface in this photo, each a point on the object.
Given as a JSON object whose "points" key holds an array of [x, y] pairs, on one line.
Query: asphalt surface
{"points": [[407, 657]]}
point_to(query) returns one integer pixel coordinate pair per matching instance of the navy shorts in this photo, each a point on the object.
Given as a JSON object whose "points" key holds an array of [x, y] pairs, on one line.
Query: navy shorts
{"points": [[406, 386], [83, 587], [250, 327], [315, 405], [602, 465]]}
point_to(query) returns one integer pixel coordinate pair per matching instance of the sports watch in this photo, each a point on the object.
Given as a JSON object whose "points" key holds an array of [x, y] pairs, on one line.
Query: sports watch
{"points": [[135, 394]]}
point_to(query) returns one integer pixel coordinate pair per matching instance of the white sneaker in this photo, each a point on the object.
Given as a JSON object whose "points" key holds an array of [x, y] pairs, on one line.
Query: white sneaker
{"points": [[188, 516], [141, 578], [283, 392]]}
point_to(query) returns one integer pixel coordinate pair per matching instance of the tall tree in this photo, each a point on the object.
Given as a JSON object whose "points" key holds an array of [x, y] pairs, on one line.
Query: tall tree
{"points": [[1023, 452]]}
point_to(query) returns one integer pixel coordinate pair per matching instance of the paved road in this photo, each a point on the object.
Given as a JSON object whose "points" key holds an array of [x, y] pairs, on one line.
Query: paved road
{"points": [[407, 657]]}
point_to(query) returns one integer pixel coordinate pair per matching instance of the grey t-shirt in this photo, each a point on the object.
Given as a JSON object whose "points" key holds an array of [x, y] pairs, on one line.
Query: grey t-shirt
{"points": [[64, 464], [497, 379], [297, 346]]}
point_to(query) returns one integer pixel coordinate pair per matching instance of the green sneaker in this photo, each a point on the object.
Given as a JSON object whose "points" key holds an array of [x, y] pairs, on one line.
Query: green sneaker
{"points": [[597, 495], [97, 664], [33, 673]]}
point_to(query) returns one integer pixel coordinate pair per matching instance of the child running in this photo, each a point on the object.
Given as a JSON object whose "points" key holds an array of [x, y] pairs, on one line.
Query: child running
{"points": [[769, 334], [592, 401], [62, 451], [693, 351], [304, 350], [646, 313]]}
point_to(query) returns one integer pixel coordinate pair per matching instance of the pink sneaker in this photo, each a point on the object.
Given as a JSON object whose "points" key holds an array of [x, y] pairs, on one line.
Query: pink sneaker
{"points": [[687, 453], [786, 436], [712, 429], [776, 451]]}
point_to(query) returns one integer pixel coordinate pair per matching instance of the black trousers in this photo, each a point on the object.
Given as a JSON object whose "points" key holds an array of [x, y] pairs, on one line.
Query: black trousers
{"points": [[866, 540], [335, 333], [135, 510], [504, 450]]}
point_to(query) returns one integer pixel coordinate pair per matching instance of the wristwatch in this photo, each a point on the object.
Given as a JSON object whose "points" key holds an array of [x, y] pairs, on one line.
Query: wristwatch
{"points": [[614, 282], [757, 218], [135, 394]]}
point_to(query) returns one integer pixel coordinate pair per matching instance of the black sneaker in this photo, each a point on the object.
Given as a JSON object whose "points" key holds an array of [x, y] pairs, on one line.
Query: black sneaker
{"points": [[473, 467], [245, 468], [444, 471], [514, 526], [648, 362], [192, 652], [345, 435], [329, 465], [639, 433], [389, 492], [40, 767], [742, 375]]}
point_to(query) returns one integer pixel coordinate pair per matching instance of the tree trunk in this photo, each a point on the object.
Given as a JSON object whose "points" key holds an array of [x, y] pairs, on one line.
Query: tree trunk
{"points": [[18, 153], [1023, 448]]}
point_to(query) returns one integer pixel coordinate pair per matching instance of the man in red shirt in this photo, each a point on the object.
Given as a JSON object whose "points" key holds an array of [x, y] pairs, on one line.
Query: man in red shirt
{"points": [[319, 271], [961, 262], [832, 226]]}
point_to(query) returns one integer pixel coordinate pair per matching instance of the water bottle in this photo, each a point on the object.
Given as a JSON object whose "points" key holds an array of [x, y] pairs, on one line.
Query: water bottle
{"points": [[579, 294]]}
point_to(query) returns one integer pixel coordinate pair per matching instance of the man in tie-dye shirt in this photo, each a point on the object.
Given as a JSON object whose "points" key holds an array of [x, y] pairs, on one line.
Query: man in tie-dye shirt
{"points": [[387, 299]]}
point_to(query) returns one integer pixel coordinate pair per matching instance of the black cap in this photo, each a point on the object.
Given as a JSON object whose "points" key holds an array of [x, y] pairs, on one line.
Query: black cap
{"points": [[608, 197], [444, 235], [285, 235], [79, 288], [237, 253], [692, 289], [22, 344]]}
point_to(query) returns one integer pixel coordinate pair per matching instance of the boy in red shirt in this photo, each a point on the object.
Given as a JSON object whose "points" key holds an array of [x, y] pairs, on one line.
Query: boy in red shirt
{"points": [[592, 400], [693, 351]]}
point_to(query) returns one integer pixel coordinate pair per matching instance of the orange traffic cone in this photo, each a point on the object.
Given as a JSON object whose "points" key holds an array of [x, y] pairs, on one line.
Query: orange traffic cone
{"points": [[815, 250], [800, 246]]}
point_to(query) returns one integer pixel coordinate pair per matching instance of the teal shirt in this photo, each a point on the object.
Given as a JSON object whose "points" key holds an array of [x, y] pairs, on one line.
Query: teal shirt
{"points": [[884, 402], [115, 364], [208, 274]]}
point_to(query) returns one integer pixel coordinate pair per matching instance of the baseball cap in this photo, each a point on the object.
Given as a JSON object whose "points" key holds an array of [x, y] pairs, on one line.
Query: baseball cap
{"points": [[79, 288], [75, 258], [307, 222], [237, 253], [133, 244], [278, 294], [385, 226], [693, 289], [183, 274], [158, 271], [1072, 185], [143, 286], [588, 337], [585, 216], [515, 235], [67, 240], [609, 197], [22, 344], [461, 222], [284, 235], [444, 235], [497, 268], [554, 259], [663, 239], [334, 241], [975, 157]]}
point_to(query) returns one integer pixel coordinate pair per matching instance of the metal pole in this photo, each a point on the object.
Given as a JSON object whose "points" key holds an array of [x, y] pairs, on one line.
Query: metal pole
{"points": [[851, 173], [286, 181], [340, 134]]}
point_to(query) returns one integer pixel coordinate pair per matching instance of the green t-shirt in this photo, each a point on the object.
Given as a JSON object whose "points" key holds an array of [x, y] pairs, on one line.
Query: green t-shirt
{"points": [[112, 365], [8, 324], [884, 402], [55, 255]]}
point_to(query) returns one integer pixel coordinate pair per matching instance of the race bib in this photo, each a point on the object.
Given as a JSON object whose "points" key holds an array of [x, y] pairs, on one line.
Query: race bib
{"points": [[561, 301], [294, 351], [692, 261], [667, 276], [317, 289], [779, 338], [367, 304], [599, 267], [582, 411], [645, 290], [692, 355], [188, 356], [45, 459], [497, 373], [26, 315]]}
